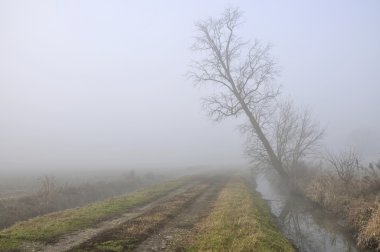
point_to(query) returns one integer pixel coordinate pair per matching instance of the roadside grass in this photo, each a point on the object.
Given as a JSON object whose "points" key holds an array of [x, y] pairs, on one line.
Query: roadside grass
{"points": [[48, 228], [130, 234], [239, 221], [356, 202]]}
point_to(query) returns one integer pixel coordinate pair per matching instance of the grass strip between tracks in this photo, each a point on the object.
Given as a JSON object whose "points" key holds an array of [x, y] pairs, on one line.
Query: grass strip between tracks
{"points": [[239, 221]]}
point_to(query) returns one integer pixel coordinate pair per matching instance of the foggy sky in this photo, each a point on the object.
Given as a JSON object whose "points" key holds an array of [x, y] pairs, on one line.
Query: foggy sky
{"points": [[85, 83]]}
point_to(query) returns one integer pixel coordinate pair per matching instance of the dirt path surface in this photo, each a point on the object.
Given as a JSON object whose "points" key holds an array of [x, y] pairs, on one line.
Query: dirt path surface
{"points": [[169, 226], [165, 224], [74, 239], [177, 233]]}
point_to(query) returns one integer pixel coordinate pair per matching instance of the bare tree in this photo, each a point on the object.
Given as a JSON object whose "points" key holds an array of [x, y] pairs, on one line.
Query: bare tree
{"points": [[242, 71], [47, 192], [296, 135], [293, 134], [346, 165]]}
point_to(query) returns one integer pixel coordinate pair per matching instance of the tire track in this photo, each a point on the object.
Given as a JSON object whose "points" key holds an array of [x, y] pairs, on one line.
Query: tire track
{"points": [[74, 239], [177, 233]]}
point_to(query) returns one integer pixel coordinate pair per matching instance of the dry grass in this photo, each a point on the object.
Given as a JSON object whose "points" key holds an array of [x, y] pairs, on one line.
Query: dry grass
{"points": [[326, 190], [359, 213], [239, 221], [369, 235], [356, 202]]}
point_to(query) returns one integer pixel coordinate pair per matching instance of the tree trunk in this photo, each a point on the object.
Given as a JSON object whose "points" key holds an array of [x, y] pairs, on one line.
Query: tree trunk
{"points": [[276, 163]]}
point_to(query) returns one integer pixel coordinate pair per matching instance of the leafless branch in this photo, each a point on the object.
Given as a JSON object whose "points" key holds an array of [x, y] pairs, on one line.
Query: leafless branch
{"points": [[346, 164]]}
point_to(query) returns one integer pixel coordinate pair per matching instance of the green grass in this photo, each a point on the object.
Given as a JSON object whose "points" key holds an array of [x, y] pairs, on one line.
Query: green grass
{"points": [[239, 221], [111, 246], [50, 227]]}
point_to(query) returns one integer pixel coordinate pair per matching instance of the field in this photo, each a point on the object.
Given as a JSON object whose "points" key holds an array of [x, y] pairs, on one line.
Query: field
{"points": [[196, 213]]}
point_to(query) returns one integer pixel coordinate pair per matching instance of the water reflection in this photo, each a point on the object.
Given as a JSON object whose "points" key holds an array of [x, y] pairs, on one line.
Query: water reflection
{"points": [[307, 227]]}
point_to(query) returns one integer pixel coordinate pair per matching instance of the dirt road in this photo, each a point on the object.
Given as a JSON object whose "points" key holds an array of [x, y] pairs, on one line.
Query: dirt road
{"points": [[165, 224], [72, 240], [177, 233]]}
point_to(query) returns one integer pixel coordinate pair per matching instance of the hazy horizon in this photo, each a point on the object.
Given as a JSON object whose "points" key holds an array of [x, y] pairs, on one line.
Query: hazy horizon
{"points": [[102, 84]]}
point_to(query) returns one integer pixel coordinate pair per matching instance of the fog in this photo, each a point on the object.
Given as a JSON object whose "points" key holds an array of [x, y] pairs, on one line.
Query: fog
{"points": [[101, 84]]}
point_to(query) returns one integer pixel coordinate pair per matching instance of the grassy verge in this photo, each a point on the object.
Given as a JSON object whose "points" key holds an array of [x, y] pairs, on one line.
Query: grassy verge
{"points": [[239, 221], [50, 227]]}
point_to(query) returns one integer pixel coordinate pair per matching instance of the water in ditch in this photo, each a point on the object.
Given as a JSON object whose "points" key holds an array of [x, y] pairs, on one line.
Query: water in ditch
{"points": [[309, 228]]}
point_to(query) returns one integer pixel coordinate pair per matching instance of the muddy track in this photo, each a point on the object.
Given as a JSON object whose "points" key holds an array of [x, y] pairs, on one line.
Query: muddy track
{"points": [[168, 226], [178, 232], [74, 239]]}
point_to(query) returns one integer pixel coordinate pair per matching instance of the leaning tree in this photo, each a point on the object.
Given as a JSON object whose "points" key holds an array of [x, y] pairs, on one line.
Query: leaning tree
{"points": [[243, 73]]}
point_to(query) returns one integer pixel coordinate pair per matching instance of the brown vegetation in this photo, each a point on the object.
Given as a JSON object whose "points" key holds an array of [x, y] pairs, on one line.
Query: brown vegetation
{"points": [[352, 192], [51, 197]]}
